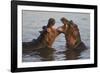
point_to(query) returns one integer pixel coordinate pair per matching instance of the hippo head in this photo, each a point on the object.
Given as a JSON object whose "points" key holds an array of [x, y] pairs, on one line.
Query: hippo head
{"points": [[65, 26]]}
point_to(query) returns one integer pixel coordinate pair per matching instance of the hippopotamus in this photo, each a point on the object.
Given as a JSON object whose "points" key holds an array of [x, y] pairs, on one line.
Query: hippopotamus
{"points": [[72, 35], [45, 40]]}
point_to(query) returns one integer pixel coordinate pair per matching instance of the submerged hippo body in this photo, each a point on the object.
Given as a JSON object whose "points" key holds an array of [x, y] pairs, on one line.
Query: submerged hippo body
{"points": [[32, 46]]}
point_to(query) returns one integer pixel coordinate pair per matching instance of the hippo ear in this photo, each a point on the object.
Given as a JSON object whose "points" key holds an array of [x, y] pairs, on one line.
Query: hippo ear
{"points": [[40, 31]]}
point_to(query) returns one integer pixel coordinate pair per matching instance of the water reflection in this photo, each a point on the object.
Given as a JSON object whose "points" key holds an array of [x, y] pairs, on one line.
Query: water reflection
{"points": [[46, 54], [72, 54]]}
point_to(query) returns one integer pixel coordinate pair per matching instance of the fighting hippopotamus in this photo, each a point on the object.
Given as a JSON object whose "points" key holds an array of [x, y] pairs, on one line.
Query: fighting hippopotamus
{"points": [[72, 35], [46, 38]]}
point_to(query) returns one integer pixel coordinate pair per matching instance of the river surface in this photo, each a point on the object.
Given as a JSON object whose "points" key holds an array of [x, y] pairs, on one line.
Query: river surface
{"points": [[33, 21]]}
